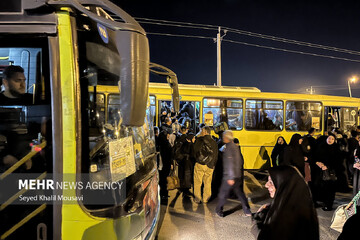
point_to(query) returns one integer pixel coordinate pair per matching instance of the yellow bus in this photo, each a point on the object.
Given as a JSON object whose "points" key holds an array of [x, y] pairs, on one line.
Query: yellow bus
{"points": [[65, 172], [258, 118]]}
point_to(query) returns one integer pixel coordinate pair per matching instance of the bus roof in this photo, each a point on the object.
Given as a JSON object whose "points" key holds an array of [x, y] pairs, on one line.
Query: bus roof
{"points": [[249, 92], [207, 87]]}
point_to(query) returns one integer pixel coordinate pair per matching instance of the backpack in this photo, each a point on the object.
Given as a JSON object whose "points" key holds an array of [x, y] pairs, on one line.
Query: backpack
{"points": [[178, 152], [205, 154]]}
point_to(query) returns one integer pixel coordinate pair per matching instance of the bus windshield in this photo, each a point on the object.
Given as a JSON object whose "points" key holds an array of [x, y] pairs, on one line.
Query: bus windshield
{"points": [[111, 152]]}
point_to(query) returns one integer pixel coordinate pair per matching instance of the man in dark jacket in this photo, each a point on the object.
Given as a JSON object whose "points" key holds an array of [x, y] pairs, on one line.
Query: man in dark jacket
{"points": [[167, 125], [182, 154], [353, 143], [233, 178], [166, 156], [206, 154]]}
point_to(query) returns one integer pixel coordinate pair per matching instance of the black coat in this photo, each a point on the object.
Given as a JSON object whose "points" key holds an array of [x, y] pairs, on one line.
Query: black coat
{"points": [[293, 154], [328, 155], [233, 162], [312, 143], [278, 152], [356, 177], [353, 144], [200, 153], [185, 160], [165, 151]]}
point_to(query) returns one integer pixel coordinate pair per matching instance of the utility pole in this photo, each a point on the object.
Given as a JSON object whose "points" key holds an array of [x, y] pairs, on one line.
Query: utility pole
{"points": [[310, 90], [218, 40], [218, 43]]}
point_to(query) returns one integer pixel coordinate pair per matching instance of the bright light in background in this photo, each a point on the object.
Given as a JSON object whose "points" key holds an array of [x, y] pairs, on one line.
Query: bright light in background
{"points": [[353, 79]]}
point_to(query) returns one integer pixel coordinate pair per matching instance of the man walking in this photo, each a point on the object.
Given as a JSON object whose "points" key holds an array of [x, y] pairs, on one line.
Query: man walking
{"points": [[206, 154], [233, 178]]}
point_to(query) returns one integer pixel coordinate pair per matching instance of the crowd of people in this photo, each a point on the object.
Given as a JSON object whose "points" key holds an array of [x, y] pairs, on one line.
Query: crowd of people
{"points": [[329, 163], [308, 168]]}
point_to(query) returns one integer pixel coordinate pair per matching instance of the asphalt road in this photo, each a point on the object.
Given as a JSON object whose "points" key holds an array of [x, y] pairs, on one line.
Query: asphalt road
{"points": [[183, 219]]}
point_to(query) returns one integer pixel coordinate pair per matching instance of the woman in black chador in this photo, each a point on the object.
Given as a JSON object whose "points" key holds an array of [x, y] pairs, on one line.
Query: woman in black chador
{"points": [[277, 154], [291, 215], [294, 154], [356, 178], [326, 159]]}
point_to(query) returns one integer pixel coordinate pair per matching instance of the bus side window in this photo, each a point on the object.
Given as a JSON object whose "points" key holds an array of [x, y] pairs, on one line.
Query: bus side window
{"points": [[211, 111], [234, 114], [264, 115], [301, 116], [223, 110], [22, 123]]}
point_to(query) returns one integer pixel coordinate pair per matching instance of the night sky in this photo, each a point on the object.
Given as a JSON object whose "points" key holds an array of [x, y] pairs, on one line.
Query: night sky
{"points": [[334, 24]]}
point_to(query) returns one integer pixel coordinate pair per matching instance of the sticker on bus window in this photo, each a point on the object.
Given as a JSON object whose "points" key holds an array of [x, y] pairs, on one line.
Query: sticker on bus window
{"points": [[209, 119], [315, 122], [103, 33], [122, 159]]}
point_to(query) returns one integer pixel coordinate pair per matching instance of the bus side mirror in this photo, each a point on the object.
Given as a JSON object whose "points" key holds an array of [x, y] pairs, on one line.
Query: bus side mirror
{"points": [[134, 76]]}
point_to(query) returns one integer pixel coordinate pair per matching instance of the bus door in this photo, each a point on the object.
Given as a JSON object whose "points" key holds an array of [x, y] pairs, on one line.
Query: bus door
{"points": [[188, 115], [26, 136], [189, 111], [343, 118]]}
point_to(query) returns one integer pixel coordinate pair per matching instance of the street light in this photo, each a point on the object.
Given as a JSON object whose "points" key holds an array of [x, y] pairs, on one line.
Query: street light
{"points": [[351, 80]]}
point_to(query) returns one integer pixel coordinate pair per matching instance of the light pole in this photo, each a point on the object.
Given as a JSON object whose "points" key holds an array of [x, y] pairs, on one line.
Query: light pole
{"points": [[351, 80]]}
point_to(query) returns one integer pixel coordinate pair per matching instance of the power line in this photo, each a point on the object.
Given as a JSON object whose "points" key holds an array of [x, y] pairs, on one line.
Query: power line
{"points": [[292, 51], [257, 45], [290, 41], [181, 23], [178, 35], [247, 33], [176, 25]]}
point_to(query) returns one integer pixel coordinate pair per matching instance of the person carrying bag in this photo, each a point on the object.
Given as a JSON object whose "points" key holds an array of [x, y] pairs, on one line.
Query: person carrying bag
{"points": [[173, 181], [343, 213]]}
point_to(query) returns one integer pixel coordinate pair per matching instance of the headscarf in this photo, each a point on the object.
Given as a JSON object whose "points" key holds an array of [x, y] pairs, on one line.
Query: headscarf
{"points": [[291, 214], [278, 149], [328, 154], [293, 154], [294, 142]]}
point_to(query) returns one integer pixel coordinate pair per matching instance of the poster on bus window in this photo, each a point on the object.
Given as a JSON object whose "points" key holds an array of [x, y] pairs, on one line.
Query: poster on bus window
{"points": [[122, 159], [209, 119], [315, 122]]}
